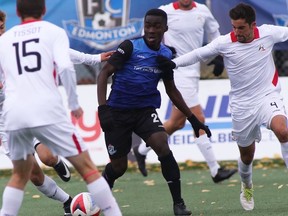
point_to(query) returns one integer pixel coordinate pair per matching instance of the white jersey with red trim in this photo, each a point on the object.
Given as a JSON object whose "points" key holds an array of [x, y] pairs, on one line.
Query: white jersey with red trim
{"points": [[186, 29], [250, 66], [29, 55]]}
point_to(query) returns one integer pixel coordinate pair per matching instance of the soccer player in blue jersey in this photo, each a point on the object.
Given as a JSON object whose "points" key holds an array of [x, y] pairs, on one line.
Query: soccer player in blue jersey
{"points": [[133, 100]]}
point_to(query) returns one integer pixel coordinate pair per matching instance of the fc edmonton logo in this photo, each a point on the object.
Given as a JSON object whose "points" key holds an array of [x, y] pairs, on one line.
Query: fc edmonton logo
{"points": [[103, 24]]}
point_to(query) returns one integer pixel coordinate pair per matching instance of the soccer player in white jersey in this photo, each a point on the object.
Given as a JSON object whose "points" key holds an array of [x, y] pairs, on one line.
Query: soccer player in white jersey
{"points": [[188, 21], [255, 98], [33, 105], [43, 183]]}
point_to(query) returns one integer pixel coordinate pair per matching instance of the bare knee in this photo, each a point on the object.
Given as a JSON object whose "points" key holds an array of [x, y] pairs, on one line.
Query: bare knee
{"points": [[247, 153], [46, 156], [282, 136], [48, 160], [247, 159]]}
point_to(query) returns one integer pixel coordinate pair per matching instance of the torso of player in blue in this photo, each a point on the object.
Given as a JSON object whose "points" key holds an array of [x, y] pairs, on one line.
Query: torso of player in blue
{"points": [[135, 82]]}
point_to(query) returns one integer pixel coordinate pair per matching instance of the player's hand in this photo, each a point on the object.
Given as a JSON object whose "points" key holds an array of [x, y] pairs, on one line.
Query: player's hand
{"points": [[77, 113], [106, 55], [197, 125], [164, 63], [105, 117], [218, 65]]}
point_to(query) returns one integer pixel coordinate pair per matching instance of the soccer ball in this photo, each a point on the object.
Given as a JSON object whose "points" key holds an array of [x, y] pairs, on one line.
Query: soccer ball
{"points": [[103, 21], [84, 205]]}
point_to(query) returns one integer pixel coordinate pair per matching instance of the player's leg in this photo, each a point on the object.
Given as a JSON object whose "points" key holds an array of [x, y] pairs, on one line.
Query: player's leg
{"points": [[49, 188], [118, 143], [20, 149], [189, 90], [279, 127], [246, 131], [204, 144], [96, 184], [170, 170], [14, 191], [55, 161], [63, 139], [245, 166], [155, 136]]}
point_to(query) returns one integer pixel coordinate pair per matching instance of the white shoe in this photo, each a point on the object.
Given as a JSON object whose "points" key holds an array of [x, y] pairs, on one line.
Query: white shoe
{"points": [[246, 197]]}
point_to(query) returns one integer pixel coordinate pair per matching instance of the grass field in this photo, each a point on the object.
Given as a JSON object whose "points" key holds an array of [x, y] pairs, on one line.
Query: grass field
{"points": [[139, 196]]}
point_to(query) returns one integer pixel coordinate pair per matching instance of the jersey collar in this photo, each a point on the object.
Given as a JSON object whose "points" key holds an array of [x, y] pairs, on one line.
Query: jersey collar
{"points": [[176, 5], [29, 21], [256, 35]]}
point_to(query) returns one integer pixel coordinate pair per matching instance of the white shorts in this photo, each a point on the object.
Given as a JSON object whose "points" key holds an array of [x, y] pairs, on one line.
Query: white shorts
{"points": [[246, 129], [188, 88], [62, 139]]}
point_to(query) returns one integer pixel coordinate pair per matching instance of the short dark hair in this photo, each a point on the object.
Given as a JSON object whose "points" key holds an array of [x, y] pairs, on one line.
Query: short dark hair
{"points": [[243, 11], [31, 8], [157, 12], [2, 16]]}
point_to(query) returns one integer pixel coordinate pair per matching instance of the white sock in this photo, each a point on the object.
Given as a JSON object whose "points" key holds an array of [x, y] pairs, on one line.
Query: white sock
{"points": [[50, 189], [143, 149], [104, 198], [284, 149], [206, 149], [245, 172], [11, 201]]}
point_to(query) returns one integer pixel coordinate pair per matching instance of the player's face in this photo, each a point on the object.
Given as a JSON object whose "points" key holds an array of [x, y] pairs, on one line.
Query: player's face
{"points": [[2, 27], [154, 29], [244, 32], [185, 4]]}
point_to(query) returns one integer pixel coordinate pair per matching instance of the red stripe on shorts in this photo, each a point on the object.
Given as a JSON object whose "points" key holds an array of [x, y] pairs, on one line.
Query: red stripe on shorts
{"points": [[77, 144]]}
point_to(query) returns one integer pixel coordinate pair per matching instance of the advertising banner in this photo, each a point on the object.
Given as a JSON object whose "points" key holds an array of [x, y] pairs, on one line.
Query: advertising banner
{"points": [[213, 97]]}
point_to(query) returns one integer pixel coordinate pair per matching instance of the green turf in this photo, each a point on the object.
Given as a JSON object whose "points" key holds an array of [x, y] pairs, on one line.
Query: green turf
{"points": [[139, 196]]}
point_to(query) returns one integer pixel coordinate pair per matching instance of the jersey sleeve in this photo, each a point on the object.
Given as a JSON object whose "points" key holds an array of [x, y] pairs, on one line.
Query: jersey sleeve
{"points": [[279, 33], [200, 54], [84, 58], [121, 55], [65, 68]]}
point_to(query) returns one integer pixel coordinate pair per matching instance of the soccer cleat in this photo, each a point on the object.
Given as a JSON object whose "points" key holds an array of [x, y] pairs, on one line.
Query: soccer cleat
{"points": [[223, 174], [140, 161], [63, 171], [246, 197], [180, 209], [66, 206]]}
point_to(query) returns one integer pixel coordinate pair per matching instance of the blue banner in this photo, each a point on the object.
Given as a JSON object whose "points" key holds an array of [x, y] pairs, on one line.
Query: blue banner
{"points": [[93, 26], [267, 12]]}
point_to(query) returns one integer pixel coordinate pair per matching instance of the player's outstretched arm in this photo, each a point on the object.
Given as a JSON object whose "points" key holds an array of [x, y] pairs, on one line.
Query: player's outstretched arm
{"points": [[83, 58]]}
